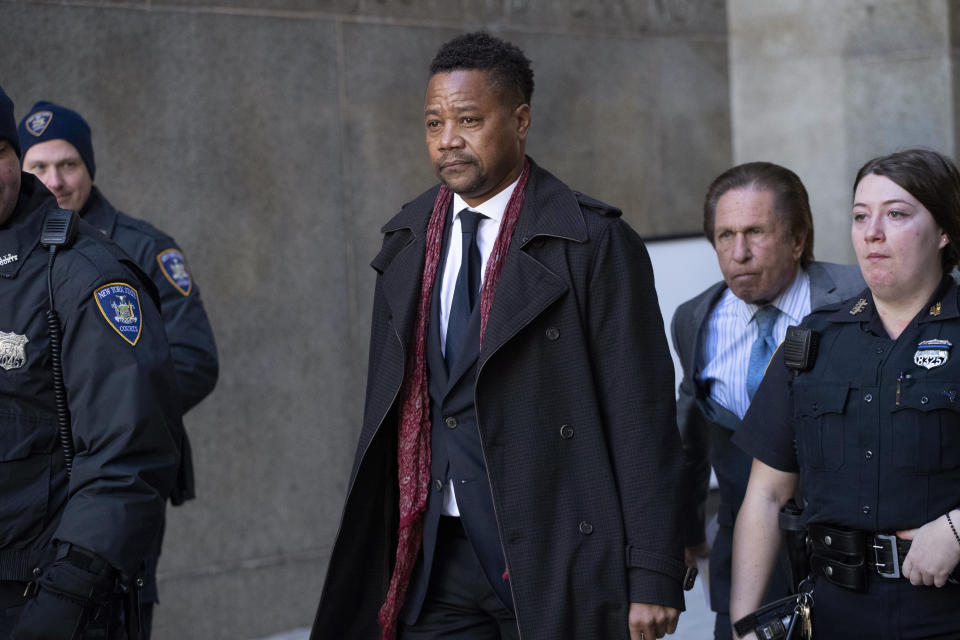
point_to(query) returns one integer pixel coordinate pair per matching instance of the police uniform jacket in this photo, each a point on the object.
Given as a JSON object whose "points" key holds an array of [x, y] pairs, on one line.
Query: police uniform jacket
{"points": [[707, 427], [188, 330], [119, 381], [876, 421], [575, 411]]}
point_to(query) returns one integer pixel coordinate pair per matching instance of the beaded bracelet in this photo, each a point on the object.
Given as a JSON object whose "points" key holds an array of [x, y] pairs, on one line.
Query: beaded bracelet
{"points": [[950, 522]]}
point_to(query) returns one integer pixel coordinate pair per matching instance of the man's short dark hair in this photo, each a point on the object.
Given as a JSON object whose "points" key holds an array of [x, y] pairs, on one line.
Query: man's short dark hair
{"points": [[508, 67], [790, 200], [933, 179]]}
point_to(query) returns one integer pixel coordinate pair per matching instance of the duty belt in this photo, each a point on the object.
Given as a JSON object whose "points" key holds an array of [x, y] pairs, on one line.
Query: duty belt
{"points": [[846, 557]]}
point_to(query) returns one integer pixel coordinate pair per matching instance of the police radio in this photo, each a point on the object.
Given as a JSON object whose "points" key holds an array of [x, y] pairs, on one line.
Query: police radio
{"points": [[59, 230]]}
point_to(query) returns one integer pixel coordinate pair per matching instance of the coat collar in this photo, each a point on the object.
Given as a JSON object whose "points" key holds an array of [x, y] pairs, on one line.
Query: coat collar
{"points": [[823, 288], [21, 235], [100, 213], [526, 286], [550, 208]]}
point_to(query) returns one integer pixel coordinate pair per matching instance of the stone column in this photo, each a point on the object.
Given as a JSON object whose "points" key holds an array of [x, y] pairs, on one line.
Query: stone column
{"points": [[821, 86]]}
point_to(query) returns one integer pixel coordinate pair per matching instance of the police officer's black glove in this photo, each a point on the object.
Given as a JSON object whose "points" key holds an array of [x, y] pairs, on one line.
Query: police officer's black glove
{"points": [[71, 590]]}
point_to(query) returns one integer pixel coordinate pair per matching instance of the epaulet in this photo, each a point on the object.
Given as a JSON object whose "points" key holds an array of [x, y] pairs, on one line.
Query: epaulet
{"points": [[604, 209], [141, 226], [107, 261], [819, 317]]}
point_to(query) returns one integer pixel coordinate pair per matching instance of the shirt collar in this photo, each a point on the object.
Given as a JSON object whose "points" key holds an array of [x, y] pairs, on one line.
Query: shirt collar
{"points": [[492, 208], [100, 213], [794, 301]]}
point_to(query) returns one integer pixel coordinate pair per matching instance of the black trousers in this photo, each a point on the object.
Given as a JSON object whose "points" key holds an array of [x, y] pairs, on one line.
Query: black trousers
{"points": [[460, 603], [888, 610]]}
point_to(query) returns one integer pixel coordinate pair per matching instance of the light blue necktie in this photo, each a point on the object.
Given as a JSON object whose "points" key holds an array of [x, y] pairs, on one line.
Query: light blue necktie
{"points": [[763, 347]]}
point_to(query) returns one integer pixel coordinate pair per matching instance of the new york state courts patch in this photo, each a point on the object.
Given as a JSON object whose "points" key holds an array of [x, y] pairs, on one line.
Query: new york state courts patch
{"points": [[120, 306], [175, 270]]}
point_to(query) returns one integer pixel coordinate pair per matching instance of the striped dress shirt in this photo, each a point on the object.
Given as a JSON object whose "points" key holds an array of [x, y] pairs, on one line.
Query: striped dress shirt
{"points": [[731, 331]]}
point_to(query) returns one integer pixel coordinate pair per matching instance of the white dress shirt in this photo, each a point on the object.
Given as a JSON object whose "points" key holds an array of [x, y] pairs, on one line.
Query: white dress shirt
{"points": [[487, 230]]}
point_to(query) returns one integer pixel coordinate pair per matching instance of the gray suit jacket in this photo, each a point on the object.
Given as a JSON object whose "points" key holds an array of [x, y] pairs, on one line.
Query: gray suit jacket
{"points": [[706, 427]]}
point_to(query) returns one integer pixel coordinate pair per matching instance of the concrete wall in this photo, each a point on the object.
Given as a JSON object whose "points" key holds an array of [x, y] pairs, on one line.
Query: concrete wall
{"points": [[822, 86], [272, 139]]}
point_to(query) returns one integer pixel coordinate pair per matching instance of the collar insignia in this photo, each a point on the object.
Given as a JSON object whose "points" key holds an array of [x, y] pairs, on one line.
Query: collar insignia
{"points": [[120, 306], [860, 306], [175, 270], [38, 122], [932, 353], [7, 259], [13, 353], [935, 309]]}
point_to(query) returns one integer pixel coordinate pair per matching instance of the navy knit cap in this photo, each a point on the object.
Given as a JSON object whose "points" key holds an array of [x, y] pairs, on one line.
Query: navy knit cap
{"points": [[8, 124], [49, 121]]}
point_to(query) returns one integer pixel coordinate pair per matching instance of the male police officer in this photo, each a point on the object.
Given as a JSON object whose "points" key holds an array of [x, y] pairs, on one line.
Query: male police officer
{"points": [[89, 428], [56, 146], [757, 216]]}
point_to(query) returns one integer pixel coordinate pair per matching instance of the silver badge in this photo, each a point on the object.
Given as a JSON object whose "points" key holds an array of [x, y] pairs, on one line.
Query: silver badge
{"points": [[12, 351], [932, 353]]}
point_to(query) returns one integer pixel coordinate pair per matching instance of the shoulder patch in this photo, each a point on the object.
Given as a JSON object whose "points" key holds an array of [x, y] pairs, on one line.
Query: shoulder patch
{"points": [[175, 270], [38, 122], [120, 305]]}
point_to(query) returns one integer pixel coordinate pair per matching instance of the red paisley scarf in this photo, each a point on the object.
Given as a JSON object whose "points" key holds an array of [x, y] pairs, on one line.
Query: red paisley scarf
{"points": [[413, 450]]}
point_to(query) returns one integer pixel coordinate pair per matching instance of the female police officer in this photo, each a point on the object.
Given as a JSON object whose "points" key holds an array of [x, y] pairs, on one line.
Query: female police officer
{"points": [[870, 423]]}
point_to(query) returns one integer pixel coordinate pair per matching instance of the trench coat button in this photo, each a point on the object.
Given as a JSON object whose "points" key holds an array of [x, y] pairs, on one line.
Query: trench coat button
{"points": [[924, 399], [868, 397], [438, 485], [828, 570], [566, 432], [36, 572], [827, 540], [451, 422], [815, 406], [586, 528], [552, 333], [866, 509], [868, 454]]}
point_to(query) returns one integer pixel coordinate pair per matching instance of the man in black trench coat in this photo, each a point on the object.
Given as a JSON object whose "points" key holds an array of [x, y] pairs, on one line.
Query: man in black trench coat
{"points": [[517, 469]]}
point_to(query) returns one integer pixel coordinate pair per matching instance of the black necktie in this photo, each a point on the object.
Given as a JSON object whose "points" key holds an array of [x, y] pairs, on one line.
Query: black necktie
{"points": [[467, 290]]}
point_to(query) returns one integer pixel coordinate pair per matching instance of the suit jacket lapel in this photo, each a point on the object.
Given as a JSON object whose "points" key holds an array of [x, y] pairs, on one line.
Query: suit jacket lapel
{"points": [[823, 290], [698, 326]]}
